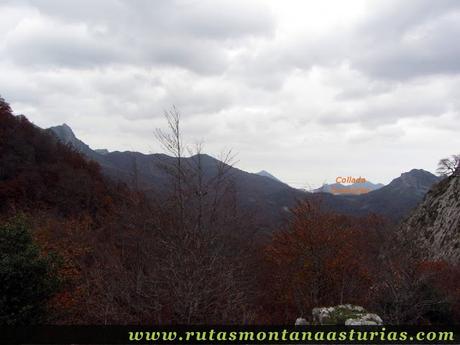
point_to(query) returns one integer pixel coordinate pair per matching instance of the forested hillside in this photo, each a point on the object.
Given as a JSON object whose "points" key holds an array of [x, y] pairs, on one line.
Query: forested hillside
{"points": [[123, 258], [100, 252], [60, 198]]}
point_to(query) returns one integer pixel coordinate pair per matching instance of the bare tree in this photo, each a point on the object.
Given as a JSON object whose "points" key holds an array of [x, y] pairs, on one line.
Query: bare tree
{"points": [[204, 243], [171, 140], [405, 294], [449, 166]]}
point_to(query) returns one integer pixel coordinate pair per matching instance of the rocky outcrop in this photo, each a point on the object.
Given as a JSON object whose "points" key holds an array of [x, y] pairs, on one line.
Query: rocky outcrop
{"points": [[432, 231], [346, 314], [300, 321]]}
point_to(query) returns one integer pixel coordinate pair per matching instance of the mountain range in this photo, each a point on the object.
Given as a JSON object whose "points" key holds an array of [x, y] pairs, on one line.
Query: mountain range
{"points": [[262, 192], [355, 188]]}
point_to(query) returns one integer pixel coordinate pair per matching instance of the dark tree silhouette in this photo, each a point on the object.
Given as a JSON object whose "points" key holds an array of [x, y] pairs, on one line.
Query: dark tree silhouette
{"points": [[449, 166]]}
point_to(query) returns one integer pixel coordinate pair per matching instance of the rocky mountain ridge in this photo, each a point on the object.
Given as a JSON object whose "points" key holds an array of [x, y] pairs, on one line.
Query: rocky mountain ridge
{"points": [[432, 231]]}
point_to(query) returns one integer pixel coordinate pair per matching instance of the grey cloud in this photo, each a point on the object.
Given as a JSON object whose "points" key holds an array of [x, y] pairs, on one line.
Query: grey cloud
{"points": [[409, 39], [230, 19], [111, 67], [194, 36], [376, 112], [389, 19], [398, 40], [69, 47], [387, 135]]}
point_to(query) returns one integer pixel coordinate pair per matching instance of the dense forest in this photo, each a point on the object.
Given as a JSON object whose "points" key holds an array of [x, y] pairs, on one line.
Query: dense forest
{"points": [[79, 248]]}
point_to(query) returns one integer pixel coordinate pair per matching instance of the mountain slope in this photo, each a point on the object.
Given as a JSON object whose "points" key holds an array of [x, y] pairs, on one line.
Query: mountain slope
{"points": [[39, 172], [434, 226], [260, 194], [401, 195], [268, 197]]}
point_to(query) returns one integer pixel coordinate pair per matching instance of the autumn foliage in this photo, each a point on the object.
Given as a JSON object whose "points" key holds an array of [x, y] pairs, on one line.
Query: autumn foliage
{"points": [[320, 259], [193, 255], [37, 171], [127, 258]]}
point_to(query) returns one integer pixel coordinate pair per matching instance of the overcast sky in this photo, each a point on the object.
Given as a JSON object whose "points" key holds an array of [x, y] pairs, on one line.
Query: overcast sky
{"points": [[307, 90]]}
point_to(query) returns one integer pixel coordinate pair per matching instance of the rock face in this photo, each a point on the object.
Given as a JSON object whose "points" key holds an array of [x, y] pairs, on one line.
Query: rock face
{"points": [[433, 229], [67, 136], [345, 314]]}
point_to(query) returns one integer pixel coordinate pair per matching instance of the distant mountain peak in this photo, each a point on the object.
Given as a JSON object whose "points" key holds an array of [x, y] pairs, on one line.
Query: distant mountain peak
{"points": [[267, 174], [416, 172], [64, 132], [351, 189], [66, 135], [418, 179], [66, 126]]}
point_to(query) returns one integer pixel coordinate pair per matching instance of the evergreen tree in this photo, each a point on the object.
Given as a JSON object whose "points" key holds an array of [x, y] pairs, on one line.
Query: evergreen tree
{"points": [[28, 279]]}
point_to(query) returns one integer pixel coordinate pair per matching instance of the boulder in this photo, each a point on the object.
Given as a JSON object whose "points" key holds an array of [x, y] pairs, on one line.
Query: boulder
{"points": [[345, 314]]}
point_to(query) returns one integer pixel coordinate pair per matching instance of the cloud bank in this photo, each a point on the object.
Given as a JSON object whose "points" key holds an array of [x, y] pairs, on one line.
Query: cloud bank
{"points": [[306, 90]]}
